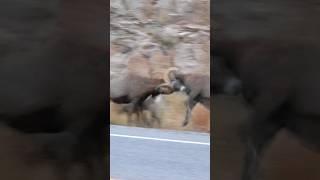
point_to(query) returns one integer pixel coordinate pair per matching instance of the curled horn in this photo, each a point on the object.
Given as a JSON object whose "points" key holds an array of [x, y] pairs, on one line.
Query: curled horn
{"points": [[164, 88], [167, 75]]}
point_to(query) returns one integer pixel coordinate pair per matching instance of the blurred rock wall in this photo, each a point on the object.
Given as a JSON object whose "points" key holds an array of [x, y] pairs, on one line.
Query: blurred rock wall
{"points": [[149, 36]]}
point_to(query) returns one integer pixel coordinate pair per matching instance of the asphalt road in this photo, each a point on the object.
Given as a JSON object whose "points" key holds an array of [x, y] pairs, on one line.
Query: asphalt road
{"points": [[153, 154]]}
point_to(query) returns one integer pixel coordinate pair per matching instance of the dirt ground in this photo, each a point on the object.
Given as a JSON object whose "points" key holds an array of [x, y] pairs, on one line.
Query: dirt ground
{"points": [[285, 159], [172, 111]]}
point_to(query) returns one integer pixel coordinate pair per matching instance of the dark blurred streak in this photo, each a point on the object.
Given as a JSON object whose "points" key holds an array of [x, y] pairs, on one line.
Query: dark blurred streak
{"points": [[268, 50], [53, 95]]}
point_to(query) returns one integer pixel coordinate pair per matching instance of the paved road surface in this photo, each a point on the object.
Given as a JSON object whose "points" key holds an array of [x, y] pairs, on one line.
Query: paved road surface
{"points": [[152, 154]]}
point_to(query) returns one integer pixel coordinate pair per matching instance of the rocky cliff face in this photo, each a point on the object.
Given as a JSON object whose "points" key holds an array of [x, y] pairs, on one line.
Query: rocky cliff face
{"points": [[149, 36]]}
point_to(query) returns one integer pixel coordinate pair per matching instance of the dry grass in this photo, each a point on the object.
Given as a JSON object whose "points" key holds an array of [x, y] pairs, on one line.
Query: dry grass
{"points": [[172, 111], [116, 117]]}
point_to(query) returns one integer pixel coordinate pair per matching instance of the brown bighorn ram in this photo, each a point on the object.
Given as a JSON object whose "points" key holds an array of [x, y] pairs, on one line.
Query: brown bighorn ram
{"points": [[197, 87], [134, 90]]}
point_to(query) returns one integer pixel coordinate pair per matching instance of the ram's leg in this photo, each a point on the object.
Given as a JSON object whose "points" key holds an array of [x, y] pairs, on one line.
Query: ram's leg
{"points": [[189, 106]]}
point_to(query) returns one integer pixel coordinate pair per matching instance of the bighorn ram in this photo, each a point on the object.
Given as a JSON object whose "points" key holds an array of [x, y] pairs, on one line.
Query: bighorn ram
{"points": [[134, 90], [197, 87]]}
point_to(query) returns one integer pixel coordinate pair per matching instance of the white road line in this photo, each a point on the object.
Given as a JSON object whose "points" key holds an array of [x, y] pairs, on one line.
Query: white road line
{"points": [[158, 139]]}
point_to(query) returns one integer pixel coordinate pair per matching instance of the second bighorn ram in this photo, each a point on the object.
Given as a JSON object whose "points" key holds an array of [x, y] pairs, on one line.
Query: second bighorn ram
{"points": [[197, 87]]}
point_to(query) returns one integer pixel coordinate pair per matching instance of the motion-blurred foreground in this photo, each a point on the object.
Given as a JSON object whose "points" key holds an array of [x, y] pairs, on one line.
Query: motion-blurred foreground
{"points": [[286, 158], [272, 48], [146, 38], [53, 97]]}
